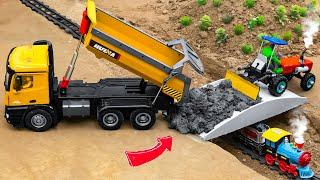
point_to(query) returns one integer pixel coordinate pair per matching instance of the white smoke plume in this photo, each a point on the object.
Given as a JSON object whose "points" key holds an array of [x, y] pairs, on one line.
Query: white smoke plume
{"points": [[299, 125], [311, 25], [310, 28]]}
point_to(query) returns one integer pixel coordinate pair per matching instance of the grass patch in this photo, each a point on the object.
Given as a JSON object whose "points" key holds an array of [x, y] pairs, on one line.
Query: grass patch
{"points": [[205, 23], [247, 48], [238, 29], [185, 20]]}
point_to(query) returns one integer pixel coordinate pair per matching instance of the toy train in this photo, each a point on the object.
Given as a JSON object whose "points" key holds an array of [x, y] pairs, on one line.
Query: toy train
{"points": [[274, 144]]}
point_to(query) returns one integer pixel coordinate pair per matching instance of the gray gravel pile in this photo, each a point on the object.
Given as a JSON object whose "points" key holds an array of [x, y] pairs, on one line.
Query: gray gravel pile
{"points": [[207, 107]]}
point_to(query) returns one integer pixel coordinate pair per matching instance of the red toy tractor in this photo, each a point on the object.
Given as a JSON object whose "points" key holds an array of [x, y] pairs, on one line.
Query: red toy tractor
{"points": [[275, 71], [295, 66]]}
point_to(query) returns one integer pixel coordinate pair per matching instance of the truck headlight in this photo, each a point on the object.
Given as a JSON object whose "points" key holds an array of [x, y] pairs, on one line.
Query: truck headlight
{"points": [[7, 116]]}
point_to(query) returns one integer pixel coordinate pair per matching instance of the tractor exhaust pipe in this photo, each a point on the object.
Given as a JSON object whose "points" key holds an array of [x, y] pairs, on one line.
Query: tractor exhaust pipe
{"points": [[302, 56]]}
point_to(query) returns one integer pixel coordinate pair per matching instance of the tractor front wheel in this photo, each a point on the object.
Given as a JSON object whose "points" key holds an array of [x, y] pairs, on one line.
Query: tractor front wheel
{"points": [[308, 81], [278, 85]]}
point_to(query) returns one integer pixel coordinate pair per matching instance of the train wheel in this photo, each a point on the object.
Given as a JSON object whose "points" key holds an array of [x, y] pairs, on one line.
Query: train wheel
{"points": [[283, 166], [293, 170], [269, 159]]}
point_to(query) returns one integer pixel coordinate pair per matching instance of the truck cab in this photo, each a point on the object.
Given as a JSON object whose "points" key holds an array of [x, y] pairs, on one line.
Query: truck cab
{"points": [[29, 82]]}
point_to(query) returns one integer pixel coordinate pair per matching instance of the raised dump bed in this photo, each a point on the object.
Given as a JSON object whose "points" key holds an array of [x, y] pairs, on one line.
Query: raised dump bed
{"points": [[160, 63], [269, 106]]}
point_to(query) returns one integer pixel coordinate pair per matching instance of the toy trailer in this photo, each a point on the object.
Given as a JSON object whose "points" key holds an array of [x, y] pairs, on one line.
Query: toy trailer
{"points": [[34, 98]]}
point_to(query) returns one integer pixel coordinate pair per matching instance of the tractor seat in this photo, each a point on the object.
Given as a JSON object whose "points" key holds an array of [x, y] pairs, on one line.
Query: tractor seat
{"points": [[275, 61], [260, 62]]}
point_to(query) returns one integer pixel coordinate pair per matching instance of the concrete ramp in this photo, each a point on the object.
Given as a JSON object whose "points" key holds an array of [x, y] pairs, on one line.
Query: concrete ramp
{"points": [[270, 106]]}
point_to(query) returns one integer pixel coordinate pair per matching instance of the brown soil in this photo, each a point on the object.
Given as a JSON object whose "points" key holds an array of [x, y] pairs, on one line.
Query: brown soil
{"points": [[219, 58], [79, 149]]}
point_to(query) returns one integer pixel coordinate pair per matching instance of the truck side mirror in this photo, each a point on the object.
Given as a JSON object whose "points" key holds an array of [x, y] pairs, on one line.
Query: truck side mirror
{"points": [[17, 83]]}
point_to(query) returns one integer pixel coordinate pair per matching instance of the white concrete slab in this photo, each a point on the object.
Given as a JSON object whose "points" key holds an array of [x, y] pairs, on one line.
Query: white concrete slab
{"points": [[270, 106]]}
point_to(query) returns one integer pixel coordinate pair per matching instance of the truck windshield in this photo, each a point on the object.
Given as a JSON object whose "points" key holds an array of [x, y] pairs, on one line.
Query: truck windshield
{"points": [[7, 81]]}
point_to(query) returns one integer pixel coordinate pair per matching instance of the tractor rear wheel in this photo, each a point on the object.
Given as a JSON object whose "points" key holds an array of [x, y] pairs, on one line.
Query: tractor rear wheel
{"points": [[308, 81], [278, 85]]}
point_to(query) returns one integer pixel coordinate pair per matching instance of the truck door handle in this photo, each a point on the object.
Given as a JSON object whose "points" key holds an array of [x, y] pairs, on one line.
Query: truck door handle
{"points": [[32, 101]]}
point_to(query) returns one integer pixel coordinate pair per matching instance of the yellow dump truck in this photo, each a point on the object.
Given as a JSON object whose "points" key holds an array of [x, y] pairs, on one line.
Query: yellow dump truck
{"points": [[35, 99]]}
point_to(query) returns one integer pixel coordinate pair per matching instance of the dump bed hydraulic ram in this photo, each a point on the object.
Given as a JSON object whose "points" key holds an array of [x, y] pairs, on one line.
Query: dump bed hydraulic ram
{"points": [[61, 21]]}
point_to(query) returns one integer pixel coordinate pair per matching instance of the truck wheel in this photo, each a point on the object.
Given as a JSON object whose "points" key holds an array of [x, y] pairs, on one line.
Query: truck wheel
{"points": [[142, 119], [278, 85], [308, 81], [38, 120], [110, 119]]}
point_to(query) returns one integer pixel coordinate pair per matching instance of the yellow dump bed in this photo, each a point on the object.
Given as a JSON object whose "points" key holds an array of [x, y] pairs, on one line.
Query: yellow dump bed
{"points": [[119, 42]]}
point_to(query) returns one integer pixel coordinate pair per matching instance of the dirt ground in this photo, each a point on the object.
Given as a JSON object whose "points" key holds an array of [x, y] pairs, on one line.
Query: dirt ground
{"points": [[79, 149]]}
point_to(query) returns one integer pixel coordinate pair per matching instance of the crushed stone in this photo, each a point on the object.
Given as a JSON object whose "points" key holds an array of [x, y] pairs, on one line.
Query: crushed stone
{"points": [[207, 107]]}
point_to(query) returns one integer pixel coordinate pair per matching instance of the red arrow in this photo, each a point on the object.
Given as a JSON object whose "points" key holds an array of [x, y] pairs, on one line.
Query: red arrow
{"points": [[140, 157]]}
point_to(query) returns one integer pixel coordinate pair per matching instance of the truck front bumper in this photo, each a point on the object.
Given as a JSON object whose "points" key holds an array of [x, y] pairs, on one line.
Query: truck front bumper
{"points": [[14, 115]]}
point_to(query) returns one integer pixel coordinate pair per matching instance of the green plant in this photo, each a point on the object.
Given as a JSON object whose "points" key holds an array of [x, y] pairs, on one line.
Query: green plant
{"points": [[252, 23], [295, 12], [260, 20], [298, 30], [227, 19], [202, 2], [303, 11], [260, 36], [247, 48], [238, 29], [249, 3], [314, 4], [287, 36], [205, 23], [185, 20], [281, 14], [221, 36], [216, 3]]}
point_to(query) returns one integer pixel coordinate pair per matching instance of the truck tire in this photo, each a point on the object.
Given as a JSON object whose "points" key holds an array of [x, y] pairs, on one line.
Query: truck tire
{"points": [[278, 85], [308, 81], [110, 119], [38, 120], [142, 119]]}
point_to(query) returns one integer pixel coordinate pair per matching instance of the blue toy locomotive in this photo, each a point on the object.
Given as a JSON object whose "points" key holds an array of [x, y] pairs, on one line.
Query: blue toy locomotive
{"points": [[274, 144]]}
